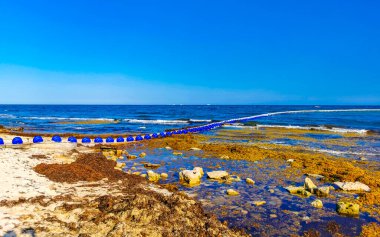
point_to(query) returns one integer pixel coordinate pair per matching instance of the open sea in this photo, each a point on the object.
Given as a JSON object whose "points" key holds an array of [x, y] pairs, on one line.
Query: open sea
{"points": [[157, 118]]}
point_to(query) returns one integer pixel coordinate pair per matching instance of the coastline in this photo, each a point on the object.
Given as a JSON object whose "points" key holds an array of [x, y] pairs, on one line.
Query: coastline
{"points": [[24, 197]]}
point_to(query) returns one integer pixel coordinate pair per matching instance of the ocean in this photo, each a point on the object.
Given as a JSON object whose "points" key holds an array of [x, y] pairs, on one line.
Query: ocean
{"points": [[156, 118]]}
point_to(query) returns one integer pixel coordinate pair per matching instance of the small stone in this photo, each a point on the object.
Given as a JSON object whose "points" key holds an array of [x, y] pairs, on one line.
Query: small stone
{"points": [[119, 152], [133, 168], [153, 177], [168, 148], [142, 154], [195, 149], [348, 208], [220, 174], [317, 176], [273, 216], [309, 185], [176, 153], [271, 190], [249, 181], [233, 178], [120, 165], [259, 203], [232, 192], [298, 190], [317, 203], [131, 157], [225, 157], [151, 166], [164, 175], [136, 173], [322, 191], [143, 175], [290, 160]]}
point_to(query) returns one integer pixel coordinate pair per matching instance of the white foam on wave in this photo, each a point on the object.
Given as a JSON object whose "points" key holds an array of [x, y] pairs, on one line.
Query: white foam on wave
{"points": [[156, 121], [63, 118], [200, 120], [319, 128], [7, 116]]}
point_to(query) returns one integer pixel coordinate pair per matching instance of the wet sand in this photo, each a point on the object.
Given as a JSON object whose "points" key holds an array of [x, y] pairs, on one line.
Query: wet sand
{"points": [[99, 202]]}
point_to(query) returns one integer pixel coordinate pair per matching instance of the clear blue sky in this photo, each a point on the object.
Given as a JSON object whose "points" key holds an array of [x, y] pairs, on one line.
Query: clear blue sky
{"points": [[190, 52]]}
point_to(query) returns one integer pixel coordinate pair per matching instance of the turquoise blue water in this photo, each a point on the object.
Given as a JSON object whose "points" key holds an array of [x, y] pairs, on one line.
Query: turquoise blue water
{"points": [[154, 118]]}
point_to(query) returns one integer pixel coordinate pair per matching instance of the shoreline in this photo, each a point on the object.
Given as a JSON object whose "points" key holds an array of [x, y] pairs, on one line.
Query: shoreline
{"points": [[305, 162]]}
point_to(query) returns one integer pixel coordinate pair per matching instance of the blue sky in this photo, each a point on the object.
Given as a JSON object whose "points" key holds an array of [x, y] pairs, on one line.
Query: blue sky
{"points": [[190, 52]]}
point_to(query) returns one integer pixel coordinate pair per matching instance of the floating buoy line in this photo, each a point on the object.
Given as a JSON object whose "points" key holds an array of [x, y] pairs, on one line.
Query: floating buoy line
{"points": [[199, 129]]}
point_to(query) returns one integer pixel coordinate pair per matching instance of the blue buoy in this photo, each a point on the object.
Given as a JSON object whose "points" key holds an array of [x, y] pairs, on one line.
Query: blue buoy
{"points": [[120, 139], [162, 134], [37, 139], [147, 137], [98, 140], [110, 139], [86, 140], [154, 135], [1, 141], [185, 131], [130, 139], [139, 138], [56, 138], [168, 134], [72, 139], [17, 140]]}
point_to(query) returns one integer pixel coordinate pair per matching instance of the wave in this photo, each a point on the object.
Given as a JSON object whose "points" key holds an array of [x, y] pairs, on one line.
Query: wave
{"points": [[7, 116], [63, 118], [157, 121], [200, 120], [319, 128]]}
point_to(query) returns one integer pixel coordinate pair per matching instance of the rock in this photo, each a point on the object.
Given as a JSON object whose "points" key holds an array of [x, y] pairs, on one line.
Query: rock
{"points": [[136, 173], [195, 149], [133, 168], [176, 153], [151, 165], [120, 165], [191, 177], [259, 203], [309, 185], [153, 177], [271, 190], [232, 192], [233, 178], [317, 203], [119, 152], [249, 181], [347, 208], [164, 175], [143, 175], [131, 157], [225, 157], [142, 154], [290, 160], [220, 174], [168, 148], [298, 190], [317, 176], [363, 158], [322, 191], [352, 186], [273, 216]]}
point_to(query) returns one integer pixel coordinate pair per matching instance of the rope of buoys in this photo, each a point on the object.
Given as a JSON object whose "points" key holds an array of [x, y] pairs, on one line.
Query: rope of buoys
{"points": [[198, 129]]}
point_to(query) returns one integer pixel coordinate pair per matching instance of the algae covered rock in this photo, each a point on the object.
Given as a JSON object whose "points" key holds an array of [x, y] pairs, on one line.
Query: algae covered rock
{"points": [[249, 181], [310, 186], [164, 175], [298, 191], [348, 208], [153, 177], [322, 191], [232, 192], [191, 177], [317, 203]]}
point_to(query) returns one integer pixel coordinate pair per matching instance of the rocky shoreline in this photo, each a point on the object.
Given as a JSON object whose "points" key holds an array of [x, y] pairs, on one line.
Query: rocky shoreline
{"points": [[70, 190]]}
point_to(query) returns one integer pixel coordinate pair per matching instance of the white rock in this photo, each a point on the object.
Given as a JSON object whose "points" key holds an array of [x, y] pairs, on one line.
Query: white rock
{"points": [[220, 174], [309, 185], [352, 186], [191, 177]]}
